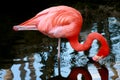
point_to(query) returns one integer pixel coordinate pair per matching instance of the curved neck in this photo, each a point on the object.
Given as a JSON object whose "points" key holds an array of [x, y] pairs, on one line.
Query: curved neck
{"points": [[104, 49], [74, 42]]}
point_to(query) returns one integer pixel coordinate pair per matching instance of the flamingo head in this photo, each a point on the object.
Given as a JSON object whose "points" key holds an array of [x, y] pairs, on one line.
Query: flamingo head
{"points": [[95, 58]]}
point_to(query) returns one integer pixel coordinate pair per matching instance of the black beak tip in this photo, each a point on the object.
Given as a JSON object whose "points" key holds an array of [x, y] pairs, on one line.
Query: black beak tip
{"points": [[90, 60]]}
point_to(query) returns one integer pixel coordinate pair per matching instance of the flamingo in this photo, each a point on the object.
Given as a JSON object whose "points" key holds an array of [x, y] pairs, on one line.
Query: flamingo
{"points": [[64, 22]]}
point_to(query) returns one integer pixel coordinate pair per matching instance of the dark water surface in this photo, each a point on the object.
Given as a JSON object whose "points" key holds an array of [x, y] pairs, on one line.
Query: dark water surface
{"points": [[38, 61]]}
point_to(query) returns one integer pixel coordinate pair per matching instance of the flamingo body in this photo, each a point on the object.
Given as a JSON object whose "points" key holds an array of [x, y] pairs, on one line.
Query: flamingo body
{"points": [[64, 22], [55, 22]]}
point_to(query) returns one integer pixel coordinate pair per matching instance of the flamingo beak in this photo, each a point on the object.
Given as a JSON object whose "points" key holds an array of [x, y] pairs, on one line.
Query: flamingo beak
{"points": [[97, 58], [21, 28]]}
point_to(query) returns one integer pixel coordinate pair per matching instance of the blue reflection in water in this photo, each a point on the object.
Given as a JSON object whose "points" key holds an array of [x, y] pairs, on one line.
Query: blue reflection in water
{"points": [[27, 75], [65, 61], [27, 70], [114, 28], [37, 66], [16, 72]]}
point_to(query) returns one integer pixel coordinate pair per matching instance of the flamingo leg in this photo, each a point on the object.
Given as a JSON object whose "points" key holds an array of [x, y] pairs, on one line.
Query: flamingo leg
{"points": [[58, 55]]}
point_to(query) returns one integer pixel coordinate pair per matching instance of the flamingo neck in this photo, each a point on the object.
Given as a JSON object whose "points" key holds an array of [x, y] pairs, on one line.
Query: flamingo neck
{"points": [[103, 50], [74, 42]]}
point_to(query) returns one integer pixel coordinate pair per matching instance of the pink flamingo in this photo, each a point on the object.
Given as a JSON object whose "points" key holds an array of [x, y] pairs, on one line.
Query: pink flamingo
{"points": [[64, 22]]}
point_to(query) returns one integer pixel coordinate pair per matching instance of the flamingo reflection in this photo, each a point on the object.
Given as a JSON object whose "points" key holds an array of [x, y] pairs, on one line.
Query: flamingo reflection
{"points": [[103, 72], [74, 74], [79, 70]]}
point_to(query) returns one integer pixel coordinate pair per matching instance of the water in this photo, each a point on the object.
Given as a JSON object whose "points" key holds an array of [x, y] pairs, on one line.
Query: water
{"points": [[39, 61]]}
